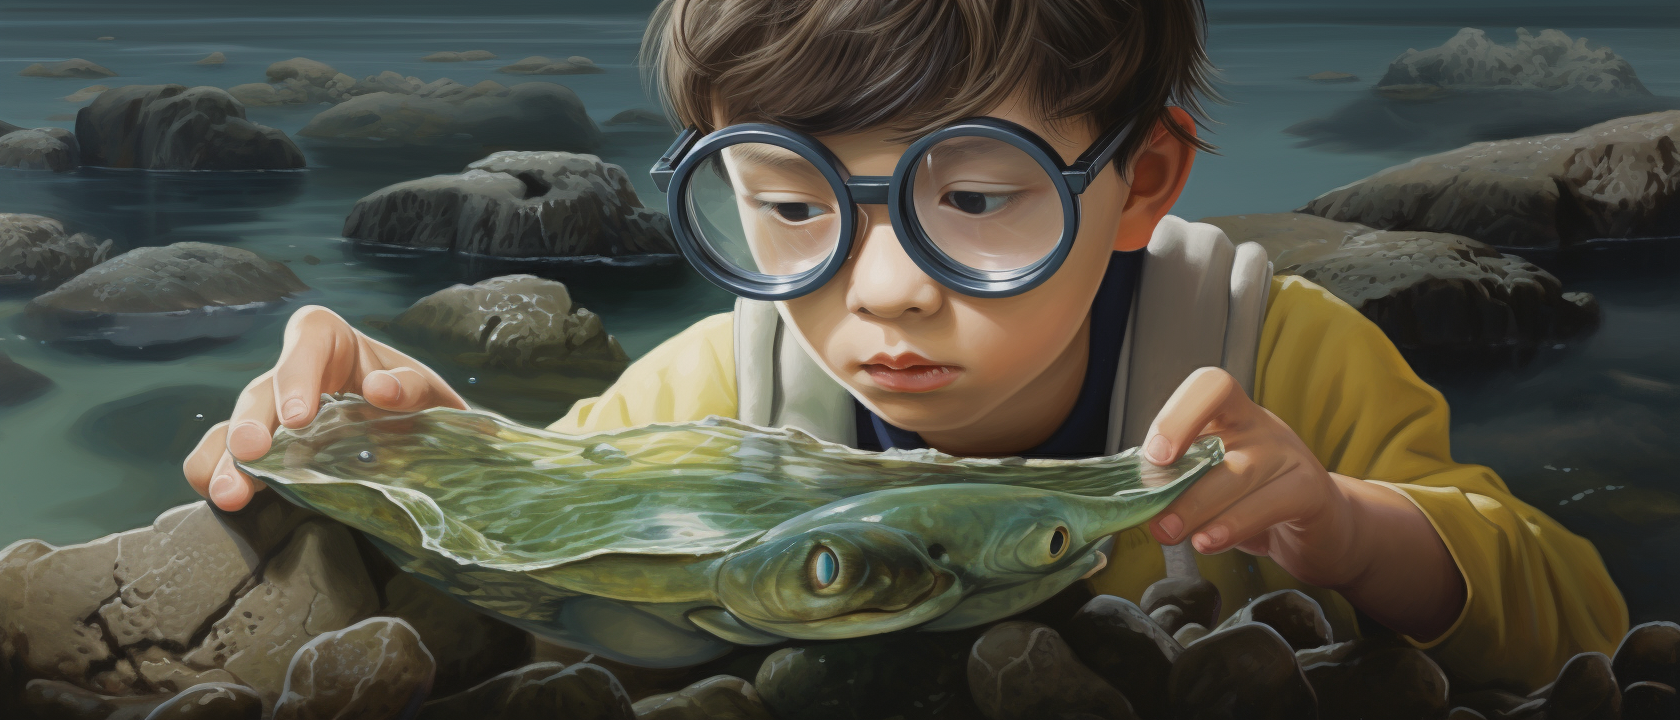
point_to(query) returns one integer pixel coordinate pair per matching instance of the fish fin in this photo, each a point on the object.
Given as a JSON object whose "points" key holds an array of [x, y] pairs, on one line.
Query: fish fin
{"points": [[721, 623]]}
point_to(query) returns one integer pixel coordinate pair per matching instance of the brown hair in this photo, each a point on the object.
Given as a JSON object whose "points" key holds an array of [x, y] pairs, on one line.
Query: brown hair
{"points": [[838, 66]]}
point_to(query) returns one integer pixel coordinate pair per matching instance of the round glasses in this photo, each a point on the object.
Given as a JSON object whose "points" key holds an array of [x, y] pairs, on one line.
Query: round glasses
{"points": [[984, 206]]}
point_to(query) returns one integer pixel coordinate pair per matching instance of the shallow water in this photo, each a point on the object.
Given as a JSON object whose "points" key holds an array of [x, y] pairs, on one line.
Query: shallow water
{"points": [[1586, 433]]}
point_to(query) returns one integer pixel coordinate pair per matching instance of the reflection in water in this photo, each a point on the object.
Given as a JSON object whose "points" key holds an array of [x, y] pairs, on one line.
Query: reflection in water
{"points": [[138, 207]]}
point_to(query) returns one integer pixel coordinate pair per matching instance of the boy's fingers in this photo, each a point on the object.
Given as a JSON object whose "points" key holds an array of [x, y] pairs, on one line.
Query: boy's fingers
{"points": [[250, 431], [402, 389], [317, 357], [229, 488], [201, 462], [1219, 489], [1256, 513], [1200, 399]]}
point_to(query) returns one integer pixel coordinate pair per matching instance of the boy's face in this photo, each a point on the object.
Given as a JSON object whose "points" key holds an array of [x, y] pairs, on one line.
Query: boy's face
{"points": [[932, 360]]}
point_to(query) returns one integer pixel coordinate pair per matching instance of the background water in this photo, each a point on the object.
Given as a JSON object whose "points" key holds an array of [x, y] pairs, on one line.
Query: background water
{"points": [[1587, 433]]}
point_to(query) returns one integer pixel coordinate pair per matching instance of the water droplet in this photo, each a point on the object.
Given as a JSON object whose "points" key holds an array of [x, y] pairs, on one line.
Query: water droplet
{"points": [[365, 456], [1567, 469], [1578, 496], [199, 416], [472, 381]]}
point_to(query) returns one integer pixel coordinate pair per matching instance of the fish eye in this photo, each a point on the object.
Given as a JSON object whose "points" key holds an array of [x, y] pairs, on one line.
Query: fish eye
{"points": [[824, 567], [365, 456], [1058, 542]]}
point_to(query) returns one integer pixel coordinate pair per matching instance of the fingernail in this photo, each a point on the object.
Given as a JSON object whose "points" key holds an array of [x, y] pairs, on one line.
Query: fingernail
{"points": [[1211, 538], [293, 410], [1158, 450], [222, 489], [1172, 525], [245, 436]]}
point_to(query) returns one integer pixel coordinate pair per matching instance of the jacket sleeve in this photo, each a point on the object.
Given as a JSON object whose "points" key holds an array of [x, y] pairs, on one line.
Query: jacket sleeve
{"points": [[1537, 594], [688, 377]]}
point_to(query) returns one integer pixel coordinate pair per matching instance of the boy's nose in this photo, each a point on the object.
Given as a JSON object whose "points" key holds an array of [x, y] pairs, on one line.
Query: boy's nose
{"points": [[884, 282]]}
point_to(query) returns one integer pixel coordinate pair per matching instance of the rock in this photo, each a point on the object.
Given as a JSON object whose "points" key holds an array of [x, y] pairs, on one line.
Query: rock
{"points": [[1429, 292], [910, 675], [376, 669], [514, 322], [1296, 617], [1617, 179], [1585, 689], [519, 205], [63, 701], [1496, 704], [85, 94], [1189, 633], [1125, 648], [311, 71], [157, 295], [1549, 61], [639, 116], [1392, 683], [467, 646], [215, 58], [52, 149], [581, 692], [172, 127], [1331, 76], [1649, 701], [257, 95], [36, 252], [535, 115], [1464, 713], [468, 56], [72, 68], [722, 697], [1246, 671], [1649, 652], [539, 65], [389, 82], [1025, 670], [211, 701], [14, 562], [1198, 598], [1169, 617]]}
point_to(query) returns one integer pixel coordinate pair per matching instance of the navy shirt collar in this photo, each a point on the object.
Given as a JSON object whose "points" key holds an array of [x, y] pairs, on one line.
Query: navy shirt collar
{"points": [[1084, 433]]}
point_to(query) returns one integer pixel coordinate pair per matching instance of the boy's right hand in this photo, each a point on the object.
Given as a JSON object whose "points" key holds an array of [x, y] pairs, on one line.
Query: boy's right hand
{"points": [[322, 354]]}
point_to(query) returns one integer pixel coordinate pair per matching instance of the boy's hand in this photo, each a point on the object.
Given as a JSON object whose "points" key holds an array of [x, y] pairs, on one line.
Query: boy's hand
{"points": [[322, 354], [1272, 497]]}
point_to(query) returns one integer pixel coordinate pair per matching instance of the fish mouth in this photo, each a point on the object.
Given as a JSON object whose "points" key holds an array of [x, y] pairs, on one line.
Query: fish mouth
{"points": [[870, 621]]}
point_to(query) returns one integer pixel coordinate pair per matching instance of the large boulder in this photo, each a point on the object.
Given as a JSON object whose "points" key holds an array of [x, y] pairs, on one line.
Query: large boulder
{"points": [[157, 295], [518, 205], [1431, 293], [52, 149], [1548, 61], [36, 252], [1617, 179], [72, 68], [534, 115], [172, 127]]}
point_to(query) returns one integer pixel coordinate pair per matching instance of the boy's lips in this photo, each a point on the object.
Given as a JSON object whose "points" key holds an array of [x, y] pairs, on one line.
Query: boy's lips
{"points": [[909, 372]]}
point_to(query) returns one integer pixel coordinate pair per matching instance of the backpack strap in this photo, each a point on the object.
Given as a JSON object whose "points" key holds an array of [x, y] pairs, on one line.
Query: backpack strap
{"points": [[778, 383]]}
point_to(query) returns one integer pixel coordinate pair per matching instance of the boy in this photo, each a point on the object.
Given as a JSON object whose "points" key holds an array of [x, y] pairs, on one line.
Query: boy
{"points": [[1019, 288]]}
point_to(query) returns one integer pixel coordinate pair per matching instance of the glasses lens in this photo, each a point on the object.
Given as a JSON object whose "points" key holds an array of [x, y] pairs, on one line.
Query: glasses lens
{"points": [[986, 204], [763, 209]]}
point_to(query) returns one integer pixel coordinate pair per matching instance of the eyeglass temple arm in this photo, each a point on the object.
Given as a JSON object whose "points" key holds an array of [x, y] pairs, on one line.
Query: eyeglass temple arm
{"points": [[1084, 170], [667, 164]]}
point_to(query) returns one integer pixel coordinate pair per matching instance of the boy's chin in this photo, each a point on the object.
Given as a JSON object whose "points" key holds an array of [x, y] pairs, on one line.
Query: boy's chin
{"points": [[922, 411]]}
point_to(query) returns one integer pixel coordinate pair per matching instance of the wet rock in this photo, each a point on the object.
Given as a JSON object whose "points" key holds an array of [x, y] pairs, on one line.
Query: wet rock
{"points": [[1616, 179], [157, 295], [36, 252], [519, 205], [639, 116], [1190, 633], [1197, 597], [215, 58], [1245, 671], [376, 669], [638, 682], [1391, 683], [313, 72], [72, 68], [539, 65], [1585, 689], [533, 115], [468, 56], [582, 691], [1489, 703], [1429, 292], [173, 127], [1649, 652], [54, 700], [514, 322], [1025, 670], [722, 697], [19, 384], [917, 675], [1125, 648], [1296, 617], [211, 701], [1649, 701], [1169, 617], [52, 149], [1331, 76], [467, 646], [85, 94], [14, 561], [1550, 61]]}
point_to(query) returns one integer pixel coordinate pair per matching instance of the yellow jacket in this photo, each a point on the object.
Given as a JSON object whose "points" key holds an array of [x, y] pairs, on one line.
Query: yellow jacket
{"points": [[1537, 593]]}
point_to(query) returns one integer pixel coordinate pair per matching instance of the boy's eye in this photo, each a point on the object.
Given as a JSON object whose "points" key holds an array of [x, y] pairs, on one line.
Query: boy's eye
{"points": [[975, 203], [796, 211]]}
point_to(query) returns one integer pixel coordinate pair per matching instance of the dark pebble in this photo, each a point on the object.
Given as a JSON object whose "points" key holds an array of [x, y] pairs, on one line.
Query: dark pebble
{"points": [[211, 701], [1198, 598], [1169, 617], [1491, 703], [1295, 616], [1647, 700], [375, 669], [540, 690], [1124, 647], [1464, 713], [1024, 671], [722, 697], [1649, 652], [1585, 689], [1246, 671], [1190, 633], [911, 675], [1391, 683]]}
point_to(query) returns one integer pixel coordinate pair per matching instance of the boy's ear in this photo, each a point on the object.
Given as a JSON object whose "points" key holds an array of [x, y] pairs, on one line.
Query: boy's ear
{"points": [[1159, 172]]}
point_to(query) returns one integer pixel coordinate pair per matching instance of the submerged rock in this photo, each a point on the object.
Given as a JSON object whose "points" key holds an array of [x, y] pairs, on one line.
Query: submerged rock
{"points": [[639, 116], [85, 94], [157, 295], [534, 115], [1022, 670], [539, 65], [72, 68], [1429, 292], [19, 384], [52, 149], [515, 322], [723, 697], [468, 56], [519, 205], [215, 58], [36, 252], [1549, 61], [1295, 617], [1246, 671], [376, 669], [539, 690], [172, 127], [211, 701], [1124, 647]]}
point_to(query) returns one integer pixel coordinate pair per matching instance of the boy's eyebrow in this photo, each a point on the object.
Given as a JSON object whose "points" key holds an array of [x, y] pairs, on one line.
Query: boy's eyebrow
{"points": [[767, 155], [947, 149]]}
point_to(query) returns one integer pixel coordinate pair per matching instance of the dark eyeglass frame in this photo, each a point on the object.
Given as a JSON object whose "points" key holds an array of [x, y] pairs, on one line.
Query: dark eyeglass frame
{"points": [[676, 167]]}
